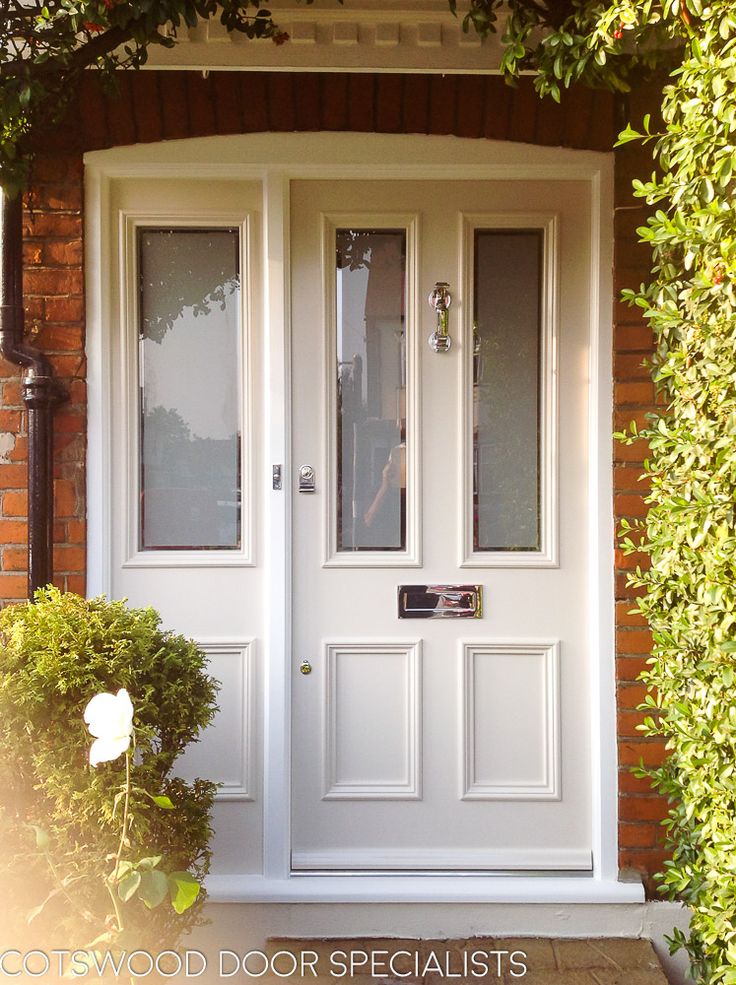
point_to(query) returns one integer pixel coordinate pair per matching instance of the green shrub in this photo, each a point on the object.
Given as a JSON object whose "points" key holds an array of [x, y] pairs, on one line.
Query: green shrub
{"points": [[60, 818]]}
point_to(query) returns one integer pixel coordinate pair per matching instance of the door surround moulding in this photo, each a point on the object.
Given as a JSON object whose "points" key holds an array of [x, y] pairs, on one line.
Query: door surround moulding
{"points": [[275, 159]]}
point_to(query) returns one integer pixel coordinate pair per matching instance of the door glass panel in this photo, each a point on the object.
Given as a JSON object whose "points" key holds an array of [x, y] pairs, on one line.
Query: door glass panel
{"points": [[506, 389], [370, 303], [189, 327]]}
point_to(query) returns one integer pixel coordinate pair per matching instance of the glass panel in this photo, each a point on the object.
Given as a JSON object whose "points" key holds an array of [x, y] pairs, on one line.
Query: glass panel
{"points": [[190, 389], [506, 385], [371, 389]]}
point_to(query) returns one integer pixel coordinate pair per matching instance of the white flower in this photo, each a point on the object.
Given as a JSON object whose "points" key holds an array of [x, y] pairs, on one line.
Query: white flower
{"points": [[109, 718]]}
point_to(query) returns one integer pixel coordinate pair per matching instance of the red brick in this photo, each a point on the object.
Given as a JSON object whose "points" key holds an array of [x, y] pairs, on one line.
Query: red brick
{"points": [[633, 338], [10, 420], [642, 808], [68, 366], [632, 641], [13, 477], [630, 783], [629, 505], [76, 583], [624, 417], [78, 392], [15, 503], [13, 532], [631, 694], [76, 532], [628, 722], [64, 310], [65, 498], [649, 751], [64, 253], [13, 394], [628, 668], [641, 835], [74, 423], [630, 367], [626, 615], [63, 197], [637, 451], [60, 337], [631, 478], [15, 558], [32, 254], [19, 452], [44, 224], [13, 586], [51, 280], [57, 168], [68, 557]]}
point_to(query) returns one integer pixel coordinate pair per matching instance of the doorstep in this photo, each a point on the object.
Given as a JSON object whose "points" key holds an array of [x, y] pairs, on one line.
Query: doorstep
{"points": [[548, 961]]}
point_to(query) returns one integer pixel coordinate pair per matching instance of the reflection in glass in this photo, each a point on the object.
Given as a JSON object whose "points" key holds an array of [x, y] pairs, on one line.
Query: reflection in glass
{"points": [[506, 389], [189, 329], [371, 389]]}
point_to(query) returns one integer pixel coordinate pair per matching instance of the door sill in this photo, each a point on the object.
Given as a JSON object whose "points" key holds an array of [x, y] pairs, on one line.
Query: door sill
{"points": [[430, 888]]}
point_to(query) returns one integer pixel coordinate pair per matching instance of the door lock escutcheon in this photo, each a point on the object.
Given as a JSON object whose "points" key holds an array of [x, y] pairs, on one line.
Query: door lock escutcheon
{"points": [[306, 479]]}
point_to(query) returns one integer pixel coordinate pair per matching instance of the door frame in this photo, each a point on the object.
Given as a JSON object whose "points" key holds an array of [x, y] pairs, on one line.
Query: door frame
{"points": [[275, 159]]}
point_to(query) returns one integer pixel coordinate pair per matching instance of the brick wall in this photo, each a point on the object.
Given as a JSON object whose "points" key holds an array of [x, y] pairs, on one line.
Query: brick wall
{"points": [[152, 106], [640, 810], [54, 303]]}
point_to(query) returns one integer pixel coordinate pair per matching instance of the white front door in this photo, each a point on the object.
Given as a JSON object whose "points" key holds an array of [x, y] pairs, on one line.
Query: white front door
{"points": [[245, 314], [428, 741]]}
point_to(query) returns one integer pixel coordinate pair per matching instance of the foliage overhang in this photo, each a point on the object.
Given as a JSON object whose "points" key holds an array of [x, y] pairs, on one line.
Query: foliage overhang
{"points": [[688, 540]]}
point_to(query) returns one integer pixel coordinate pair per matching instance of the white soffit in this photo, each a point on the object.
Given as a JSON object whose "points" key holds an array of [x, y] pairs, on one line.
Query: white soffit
{"points": [[356, 36]]}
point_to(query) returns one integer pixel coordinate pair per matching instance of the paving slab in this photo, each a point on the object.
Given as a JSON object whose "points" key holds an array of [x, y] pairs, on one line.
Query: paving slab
{"points": [[471, 961]]}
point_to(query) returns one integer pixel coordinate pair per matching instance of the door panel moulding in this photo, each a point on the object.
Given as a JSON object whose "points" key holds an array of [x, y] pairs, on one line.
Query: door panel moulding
{"points": [[275, 159]]}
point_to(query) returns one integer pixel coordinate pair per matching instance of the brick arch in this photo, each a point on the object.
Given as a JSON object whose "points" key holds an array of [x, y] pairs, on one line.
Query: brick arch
{"points": [[152, 106]]}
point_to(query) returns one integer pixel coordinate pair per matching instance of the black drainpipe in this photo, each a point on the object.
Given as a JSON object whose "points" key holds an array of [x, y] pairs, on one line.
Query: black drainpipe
{"points": [[41, 394]]}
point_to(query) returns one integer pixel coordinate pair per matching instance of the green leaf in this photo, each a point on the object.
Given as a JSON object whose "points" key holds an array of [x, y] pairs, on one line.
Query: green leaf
{"points": [[153, 888], [149, 863], [163, 802], [128, 886], [184, 890]]}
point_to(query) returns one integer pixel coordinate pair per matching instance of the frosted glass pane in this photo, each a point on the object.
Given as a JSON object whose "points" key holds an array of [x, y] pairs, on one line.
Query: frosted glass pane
{"points": [[371, 390], [190, 389], [506, 381]]}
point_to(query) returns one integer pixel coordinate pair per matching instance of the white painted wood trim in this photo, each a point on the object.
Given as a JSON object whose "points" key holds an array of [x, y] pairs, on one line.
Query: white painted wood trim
{"points": [[411, 787], [275, 158], [460, 860], [128, 356], [421, 36], [277, 562], [550, 789], [548, 554], [412, 556], [601, 604]]}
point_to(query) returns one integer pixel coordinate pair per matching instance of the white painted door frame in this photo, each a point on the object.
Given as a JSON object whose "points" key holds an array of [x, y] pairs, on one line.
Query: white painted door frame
{"points": [[275, 159]]}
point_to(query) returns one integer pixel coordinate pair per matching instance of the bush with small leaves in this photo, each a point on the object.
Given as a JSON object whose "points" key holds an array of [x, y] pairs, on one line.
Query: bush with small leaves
{"points": [[110, 853]]}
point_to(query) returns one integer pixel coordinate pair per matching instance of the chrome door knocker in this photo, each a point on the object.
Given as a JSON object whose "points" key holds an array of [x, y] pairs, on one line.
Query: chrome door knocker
{"points": [[440, 300]]}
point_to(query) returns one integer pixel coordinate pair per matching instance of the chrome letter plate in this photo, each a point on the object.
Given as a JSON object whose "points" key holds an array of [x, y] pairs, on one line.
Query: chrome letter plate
{"points": [[440, 601]]}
